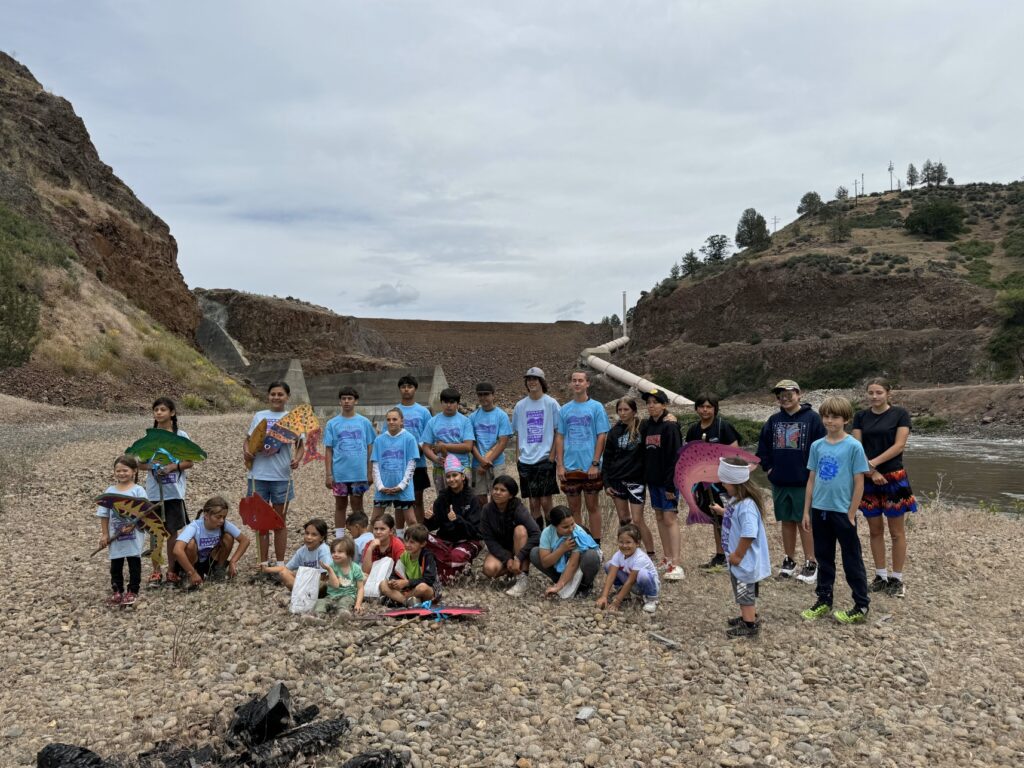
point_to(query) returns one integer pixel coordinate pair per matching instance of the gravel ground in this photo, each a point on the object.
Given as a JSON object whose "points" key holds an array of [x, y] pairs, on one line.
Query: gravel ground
{"points": [[935, 679]]}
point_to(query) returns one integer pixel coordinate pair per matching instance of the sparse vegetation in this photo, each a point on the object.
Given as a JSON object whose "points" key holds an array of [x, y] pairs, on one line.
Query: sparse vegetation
{"points": [[937, 220], [844, 373], [1006, 348], [928, 424], [973, 248], [1013, 242]]}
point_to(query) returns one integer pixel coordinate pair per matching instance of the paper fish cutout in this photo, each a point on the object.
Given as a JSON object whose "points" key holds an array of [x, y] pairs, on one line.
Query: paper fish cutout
{"points": [[441, 611], [142, 511], [259, 515], [254, 443], [313, 452], [698, 463], [288, 429], [162, 447]]}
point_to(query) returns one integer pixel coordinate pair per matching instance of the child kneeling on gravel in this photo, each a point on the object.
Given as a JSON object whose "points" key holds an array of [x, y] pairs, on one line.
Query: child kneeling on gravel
{"points": [[744, 542], [419, 581], [203, 548], [631, 570]]}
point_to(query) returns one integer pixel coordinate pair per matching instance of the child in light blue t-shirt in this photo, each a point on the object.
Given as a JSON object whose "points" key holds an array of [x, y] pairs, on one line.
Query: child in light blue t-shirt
{"points": [[744, 542], [837, 465], [121, 534]]}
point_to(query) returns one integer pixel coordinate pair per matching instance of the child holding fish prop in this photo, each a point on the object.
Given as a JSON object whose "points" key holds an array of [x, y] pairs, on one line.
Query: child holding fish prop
{"points": [[268, 452], [166, 452]]}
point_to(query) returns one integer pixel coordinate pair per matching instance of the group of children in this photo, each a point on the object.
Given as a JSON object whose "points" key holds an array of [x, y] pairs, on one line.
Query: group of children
{"points": [[405, 558]]}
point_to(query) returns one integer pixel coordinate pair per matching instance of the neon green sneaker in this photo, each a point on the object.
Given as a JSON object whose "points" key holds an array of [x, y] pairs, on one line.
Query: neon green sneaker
{"points": [[818, 610], [855, 616]]}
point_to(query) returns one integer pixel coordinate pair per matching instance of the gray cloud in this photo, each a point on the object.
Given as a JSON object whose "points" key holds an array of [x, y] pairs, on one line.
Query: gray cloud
{"points": [[391, 295], [485, 156], [570, 310]]}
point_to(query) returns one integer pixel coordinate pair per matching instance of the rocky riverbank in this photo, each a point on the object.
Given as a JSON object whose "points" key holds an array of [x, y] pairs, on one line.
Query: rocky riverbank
{"points": [[935, 679]]}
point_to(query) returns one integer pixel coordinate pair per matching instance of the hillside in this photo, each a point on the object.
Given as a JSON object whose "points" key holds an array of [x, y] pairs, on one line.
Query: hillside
{"points": [[923, 312]]}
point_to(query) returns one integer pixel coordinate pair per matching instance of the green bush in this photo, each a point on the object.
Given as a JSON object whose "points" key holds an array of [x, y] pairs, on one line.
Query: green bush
{"points": [[755, 338], [1006, 347], [973, 248], [1013, 243], [882, 217], [926, 424], [936, 220], [844, 373], [858, 249], [979, 272]]}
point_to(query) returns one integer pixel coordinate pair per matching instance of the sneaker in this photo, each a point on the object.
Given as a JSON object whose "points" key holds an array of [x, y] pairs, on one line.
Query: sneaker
{"points": [[715, 565], [219, 572], [816, 611], [115, 599], [570, 589], [129, 599], [809, 573], [744, 630], [155, 579], [735, 621], [788, 569], [650, 604], [663, 565], [880, 584], [896, 588], [412, 602], [518, 589], [675, 573], [855, 616]]}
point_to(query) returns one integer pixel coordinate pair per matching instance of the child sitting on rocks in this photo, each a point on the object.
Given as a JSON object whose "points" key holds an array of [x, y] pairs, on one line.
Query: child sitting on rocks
{"points": [[420, 581], [345, 580]]}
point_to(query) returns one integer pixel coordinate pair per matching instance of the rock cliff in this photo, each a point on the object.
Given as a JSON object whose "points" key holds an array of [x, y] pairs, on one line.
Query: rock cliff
{"points": [[50, 171]]}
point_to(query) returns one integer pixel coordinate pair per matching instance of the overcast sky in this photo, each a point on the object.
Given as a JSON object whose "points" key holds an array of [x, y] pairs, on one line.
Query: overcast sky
{"points": [[510, 161]]}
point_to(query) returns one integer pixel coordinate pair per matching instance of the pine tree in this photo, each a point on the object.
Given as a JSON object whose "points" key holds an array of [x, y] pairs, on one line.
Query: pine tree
{"points": [[752, 231], [912, 176]]}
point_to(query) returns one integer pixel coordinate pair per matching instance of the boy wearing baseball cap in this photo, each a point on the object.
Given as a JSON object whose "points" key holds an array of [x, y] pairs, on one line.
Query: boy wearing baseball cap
{"points": [[533, 421], [783, 447]]}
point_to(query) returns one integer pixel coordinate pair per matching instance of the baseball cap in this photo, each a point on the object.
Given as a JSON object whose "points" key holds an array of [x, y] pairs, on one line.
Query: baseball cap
{"points": [[536, 373], [785, 384], [485, 388], [657, 394]]}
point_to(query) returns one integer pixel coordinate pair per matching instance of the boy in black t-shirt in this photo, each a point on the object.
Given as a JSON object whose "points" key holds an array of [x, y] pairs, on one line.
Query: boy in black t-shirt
{"points": [[711, 428]]}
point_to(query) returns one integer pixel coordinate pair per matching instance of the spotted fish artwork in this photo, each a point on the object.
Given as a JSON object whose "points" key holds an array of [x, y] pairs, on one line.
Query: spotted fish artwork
{"points": [[142, 511], [288, 429], [254, 443], [698, 463]]}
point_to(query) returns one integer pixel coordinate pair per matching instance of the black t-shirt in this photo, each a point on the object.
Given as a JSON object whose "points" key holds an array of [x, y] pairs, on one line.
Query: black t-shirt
{"points": [[878, 433], [720, 431]]}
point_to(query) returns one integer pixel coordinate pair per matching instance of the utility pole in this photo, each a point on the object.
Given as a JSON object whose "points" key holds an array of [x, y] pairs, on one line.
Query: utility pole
{"points": [[624, 333], [855, 193], [775, 224], [890, 175], [862, 190]]}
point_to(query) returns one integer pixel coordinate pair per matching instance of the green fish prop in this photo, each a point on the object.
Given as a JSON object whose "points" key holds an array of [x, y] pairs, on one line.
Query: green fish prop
{"points": [[162, 447]]}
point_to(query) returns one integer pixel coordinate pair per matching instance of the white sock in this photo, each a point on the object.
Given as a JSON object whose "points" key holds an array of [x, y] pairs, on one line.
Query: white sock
{"points": [[880, 572], [897, 576]]}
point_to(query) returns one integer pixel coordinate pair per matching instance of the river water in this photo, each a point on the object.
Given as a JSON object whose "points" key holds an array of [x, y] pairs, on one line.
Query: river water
{"points": [[970, 469]]}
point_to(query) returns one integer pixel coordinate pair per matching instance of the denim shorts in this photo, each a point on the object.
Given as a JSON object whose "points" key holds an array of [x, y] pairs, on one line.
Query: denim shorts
{"points": [[660, 501], [273, 491]]}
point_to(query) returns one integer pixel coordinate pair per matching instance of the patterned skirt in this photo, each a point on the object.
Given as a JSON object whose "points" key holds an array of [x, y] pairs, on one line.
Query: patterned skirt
{"points": [[893, 498]]}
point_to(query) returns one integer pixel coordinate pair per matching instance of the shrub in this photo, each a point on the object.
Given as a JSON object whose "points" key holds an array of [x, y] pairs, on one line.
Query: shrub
{"points": [[937, 220], [755, 338], [844, 373], [926, 424], [1006, 347], [1013, 243], [979, 272], [973, 248], [858, 249], [883, 217]]}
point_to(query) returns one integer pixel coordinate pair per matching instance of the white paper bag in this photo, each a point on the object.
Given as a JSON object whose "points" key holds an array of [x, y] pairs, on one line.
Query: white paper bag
{"points": [[306, 590], [379, 573]]}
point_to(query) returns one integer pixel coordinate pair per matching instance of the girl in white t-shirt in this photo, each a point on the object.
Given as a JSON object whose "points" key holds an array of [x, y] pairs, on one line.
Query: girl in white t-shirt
{"points": [[630, 570], [121, 535], [315, 554]]}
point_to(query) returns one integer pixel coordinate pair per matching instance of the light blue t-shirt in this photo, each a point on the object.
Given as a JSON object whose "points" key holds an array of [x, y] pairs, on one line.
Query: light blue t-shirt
{"points": [[363, 539], [206, 540], [273, 463], [488, 426], [834, 465], [173, 482], [580, 424], [311, 558], [534, 422], [742, 520], [126, 540], [447, 429], [550, 540], [349, 437], [415, 421], [392, 454]]}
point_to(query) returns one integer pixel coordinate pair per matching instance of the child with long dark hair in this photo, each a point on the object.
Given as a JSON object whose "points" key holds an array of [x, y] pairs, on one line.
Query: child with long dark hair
{"points": [[121, 535]]}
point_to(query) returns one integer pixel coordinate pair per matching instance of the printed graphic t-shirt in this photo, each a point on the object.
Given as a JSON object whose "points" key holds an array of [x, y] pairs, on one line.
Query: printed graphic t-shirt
{"points": [[534, 423]]}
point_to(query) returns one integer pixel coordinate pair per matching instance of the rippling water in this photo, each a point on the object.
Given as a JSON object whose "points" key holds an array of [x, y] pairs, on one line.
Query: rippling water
{"points": [[970, 469]]}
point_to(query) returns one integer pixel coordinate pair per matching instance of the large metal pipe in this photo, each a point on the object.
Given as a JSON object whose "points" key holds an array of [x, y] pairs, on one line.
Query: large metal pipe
{"points": [[591, 357]]}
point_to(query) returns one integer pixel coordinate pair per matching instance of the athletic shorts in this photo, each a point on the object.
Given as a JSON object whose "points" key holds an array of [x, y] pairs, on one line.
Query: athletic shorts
{"points": [[789, 503], [576, 483], [893, 498], [634, 493], [482, 481], [745, 594], [174, 515], [351, 489], [272, 491], [536, 480], [420, 479], [660, 501], [400, 506], [203, 567]]}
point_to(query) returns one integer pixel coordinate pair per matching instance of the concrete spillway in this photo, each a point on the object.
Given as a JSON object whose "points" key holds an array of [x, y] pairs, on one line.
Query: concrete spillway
{"points": [[594, 357]]}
